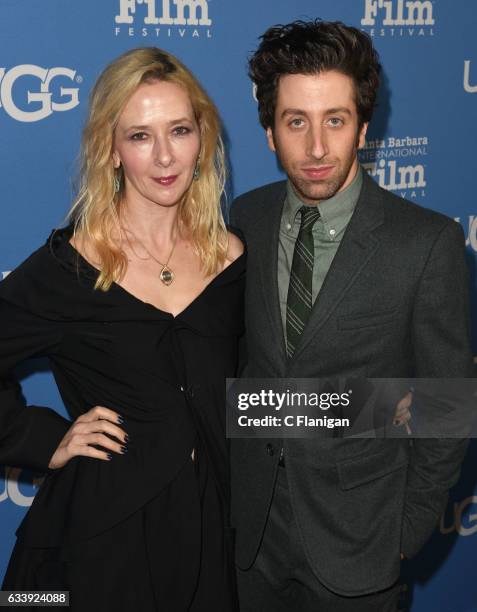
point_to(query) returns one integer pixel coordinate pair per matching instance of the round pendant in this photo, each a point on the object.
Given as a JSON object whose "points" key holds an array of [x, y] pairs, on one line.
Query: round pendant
{"points": [[166, 276]]}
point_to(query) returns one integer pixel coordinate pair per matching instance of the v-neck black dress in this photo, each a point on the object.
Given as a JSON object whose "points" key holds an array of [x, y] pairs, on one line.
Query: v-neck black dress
{"points": [[148, 530]]}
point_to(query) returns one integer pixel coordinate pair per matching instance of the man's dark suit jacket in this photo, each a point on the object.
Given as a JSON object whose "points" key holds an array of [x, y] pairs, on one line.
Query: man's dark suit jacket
{"points": [[393, 305]]}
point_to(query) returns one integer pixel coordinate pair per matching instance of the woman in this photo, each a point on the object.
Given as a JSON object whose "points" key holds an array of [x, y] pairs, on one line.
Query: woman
{"points": [[138, 306]]}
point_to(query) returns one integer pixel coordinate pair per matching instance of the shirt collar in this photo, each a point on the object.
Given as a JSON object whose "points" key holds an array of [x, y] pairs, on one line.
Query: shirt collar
{"points": [[334, 212]]}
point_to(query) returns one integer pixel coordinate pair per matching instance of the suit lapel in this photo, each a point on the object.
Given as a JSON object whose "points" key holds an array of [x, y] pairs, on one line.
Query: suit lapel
{"points": [[268, 261], [354, 253]]}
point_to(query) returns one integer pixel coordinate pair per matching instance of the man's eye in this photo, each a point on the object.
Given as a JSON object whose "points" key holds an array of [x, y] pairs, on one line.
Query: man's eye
{"points": [[335, 122], [296, 123], [181, 130]]}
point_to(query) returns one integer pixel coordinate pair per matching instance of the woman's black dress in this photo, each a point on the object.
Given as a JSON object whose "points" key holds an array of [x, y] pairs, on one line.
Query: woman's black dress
{"points": [[148, 530]]}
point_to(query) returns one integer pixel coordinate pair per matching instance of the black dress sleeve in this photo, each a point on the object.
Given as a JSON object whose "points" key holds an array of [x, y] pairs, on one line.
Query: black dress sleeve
{"points": [[29, 435]]}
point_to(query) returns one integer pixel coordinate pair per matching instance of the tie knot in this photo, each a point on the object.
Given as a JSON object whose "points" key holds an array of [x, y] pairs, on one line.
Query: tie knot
{"points": [[309, 216]]}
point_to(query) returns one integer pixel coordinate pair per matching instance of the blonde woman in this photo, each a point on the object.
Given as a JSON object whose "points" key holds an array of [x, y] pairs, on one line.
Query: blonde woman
{"points": [[138, 306]]}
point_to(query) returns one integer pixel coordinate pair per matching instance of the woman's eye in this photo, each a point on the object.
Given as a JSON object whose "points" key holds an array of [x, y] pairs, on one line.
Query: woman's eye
{"points": [[138, 136], [181, 130]]}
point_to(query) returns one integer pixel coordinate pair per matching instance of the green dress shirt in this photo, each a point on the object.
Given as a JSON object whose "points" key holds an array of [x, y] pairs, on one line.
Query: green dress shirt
{"points": [[328, 231]]}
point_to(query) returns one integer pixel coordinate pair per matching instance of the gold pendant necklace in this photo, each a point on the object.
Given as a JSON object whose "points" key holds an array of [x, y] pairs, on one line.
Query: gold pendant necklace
{"points": [[166, 275]]}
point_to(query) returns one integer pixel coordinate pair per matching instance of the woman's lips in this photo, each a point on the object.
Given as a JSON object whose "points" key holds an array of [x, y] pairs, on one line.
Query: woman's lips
{"points": [[318, 172], [165, 180]]}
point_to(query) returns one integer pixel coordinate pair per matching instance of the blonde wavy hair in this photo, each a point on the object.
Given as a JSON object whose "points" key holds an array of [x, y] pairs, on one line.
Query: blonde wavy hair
{"points": [[95, 211]]}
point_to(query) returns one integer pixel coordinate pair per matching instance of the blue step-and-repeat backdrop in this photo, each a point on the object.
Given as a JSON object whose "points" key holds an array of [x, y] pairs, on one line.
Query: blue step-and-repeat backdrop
{"points": [[421, 146]]}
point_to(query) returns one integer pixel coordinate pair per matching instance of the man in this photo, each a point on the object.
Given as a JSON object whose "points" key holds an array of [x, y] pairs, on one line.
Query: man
{"points": [[344, 280]]}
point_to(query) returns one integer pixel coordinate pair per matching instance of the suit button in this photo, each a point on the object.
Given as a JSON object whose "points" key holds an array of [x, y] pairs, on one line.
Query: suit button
{"points": [[270, 450]]}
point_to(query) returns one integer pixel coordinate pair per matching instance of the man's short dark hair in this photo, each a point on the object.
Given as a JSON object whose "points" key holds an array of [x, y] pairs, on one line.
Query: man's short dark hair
{"points": [[311, 47]]}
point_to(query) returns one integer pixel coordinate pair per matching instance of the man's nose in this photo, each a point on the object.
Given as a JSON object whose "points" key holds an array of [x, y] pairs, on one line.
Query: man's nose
{"points": [[317, 144]]}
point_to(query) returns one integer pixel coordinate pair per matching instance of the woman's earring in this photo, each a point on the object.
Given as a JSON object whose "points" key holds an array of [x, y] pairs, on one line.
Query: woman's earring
{"points": [[117, 184], [197, 170]]}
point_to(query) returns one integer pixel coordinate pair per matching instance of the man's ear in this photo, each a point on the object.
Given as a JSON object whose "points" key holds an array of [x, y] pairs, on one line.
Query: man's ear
{"points": [[362, 135], [271, 141]]}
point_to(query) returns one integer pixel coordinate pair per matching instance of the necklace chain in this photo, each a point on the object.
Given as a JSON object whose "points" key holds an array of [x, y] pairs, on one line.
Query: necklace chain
{"points": [[166, 275]]}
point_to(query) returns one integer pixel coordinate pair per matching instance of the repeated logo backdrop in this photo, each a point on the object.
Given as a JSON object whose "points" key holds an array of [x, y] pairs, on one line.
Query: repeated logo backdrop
{"points": [[421, 146]]}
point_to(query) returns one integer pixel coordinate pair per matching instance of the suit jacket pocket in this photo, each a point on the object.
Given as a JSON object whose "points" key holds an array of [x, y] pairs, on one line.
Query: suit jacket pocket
{"points": [[355, 472], [373, 319]]}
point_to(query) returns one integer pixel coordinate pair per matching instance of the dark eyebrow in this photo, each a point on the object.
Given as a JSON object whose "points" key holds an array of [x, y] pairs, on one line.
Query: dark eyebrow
{"points": [[302, 113], [338, 109], [292, 111]]}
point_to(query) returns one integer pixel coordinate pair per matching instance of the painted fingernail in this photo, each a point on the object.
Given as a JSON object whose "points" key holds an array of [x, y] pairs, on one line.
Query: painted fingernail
{"points": [[124, 449], [120, 419], [126, 438], [109, 455]]}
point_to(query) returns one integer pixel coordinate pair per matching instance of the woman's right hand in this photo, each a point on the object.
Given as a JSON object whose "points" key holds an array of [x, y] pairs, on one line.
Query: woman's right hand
{"points": [[90, 428]]}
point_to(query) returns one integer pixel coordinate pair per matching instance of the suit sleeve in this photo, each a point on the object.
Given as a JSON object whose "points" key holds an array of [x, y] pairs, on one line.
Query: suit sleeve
{"points": [[235, 222], [234, 214], [29, 435], [442, 349]]}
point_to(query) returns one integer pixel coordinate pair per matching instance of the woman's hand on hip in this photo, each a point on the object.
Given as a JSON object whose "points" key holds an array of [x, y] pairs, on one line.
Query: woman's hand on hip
{"points": [[91, 429]]}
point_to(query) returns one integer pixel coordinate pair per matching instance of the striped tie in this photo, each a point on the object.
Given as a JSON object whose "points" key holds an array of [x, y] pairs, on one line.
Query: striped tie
{"points": [[299, 299]]}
